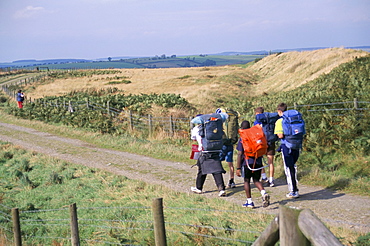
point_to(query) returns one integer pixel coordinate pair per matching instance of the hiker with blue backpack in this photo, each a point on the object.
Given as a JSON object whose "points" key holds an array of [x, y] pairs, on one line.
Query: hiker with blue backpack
{"points": [[209, 136], [290, 128], [230, 138], [267, 120]]}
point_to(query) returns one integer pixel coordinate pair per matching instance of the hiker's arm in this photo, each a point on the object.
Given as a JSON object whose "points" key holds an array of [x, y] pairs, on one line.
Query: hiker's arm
{"points": [[239, 163]]}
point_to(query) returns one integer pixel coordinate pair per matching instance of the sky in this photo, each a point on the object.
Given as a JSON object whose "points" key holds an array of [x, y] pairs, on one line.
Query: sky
{"points": [[91, 29]]}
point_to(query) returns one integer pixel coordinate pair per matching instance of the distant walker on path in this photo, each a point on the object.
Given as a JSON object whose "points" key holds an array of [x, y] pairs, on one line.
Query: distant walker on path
{"points": [[20, 99]]}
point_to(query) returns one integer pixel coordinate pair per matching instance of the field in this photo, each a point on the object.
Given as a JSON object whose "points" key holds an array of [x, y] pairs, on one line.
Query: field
{"points": [[211, 87], [143, 62], [336, 146]]}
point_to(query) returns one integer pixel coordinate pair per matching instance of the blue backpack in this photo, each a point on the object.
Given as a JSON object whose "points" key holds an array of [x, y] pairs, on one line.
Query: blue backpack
{"points": [[212, 132], [267, 120], [294, 129]]}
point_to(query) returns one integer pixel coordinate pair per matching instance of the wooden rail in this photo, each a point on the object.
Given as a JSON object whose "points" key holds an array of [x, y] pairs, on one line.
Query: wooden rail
{"points": [[296, 227]]}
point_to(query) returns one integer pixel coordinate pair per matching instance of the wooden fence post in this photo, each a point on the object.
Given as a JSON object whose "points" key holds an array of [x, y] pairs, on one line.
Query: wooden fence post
{"points": [[16, 227], [270, 236], [70, 108], [74, 225], [355, 103], [172, 130], [159, 227], [150, 124], [289, 232], [108, 109], [131, 126], [87, 103], [315, 230]]}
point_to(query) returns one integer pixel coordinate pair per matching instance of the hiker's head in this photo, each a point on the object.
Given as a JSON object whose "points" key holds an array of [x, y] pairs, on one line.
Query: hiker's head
{"points": [[220, 110], [20, 91], [245, 125], [281, 108], [259, 110]]}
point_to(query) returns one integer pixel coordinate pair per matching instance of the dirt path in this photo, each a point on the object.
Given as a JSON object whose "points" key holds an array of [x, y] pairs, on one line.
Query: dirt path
{"points": [[337, 209]]}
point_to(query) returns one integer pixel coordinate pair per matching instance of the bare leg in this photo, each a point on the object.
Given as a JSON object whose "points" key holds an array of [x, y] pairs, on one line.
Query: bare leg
{"points": [[270, 161], [232, 171], [247, 188], [258, 184]]}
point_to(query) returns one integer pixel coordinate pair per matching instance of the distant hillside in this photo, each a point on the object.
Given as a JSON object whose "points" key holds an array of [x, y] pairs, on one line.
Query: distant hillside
{"points": [[210, 87], [162, 61], [286, 71], [31, 64], [269, 52]]}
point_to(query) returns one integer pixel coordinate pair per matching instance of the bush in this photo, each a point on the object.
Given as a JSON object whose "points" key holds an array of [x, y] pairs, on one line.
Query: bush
{"points": [[363, 240], [3, 99]]}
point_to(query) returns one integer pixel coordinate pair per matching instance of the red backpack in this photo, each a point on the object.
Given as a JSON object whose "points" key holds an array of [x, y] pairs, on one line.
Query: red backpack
{"points": [[254, 141]]}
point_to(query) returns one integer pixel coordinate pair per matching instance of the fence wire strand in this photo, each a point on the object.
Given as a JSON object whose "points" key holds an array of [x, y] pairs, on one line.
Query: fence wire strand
{"points": [[209, 236]]}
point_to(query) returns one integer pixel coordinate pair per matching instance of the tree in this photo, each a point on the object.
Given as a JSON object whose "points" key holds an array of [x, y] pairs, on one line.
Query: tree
{"points": [[109, 58]]}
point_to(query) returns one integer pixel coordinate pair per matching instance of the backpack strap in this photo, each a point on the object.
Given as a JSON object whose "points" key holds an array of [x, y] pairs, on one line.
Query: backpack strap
{"points": [[256, 169]]}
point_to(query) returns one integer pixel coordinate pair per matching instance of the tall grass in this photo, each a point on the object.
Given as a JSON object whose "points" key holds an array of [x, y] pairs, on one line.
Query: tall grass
{"points": [[42, 187], [114, 208]]}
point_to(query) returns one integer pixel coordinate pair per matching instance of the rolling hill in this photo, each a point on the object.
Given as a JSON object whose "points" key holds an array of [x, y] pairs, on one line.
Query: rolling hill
{"points": [[208, 87]]}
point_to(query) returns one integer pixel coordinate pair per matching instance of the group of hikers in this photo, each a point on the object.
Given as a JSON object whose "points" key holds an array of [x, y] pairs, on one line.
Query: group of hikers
{"points": [[217, 134]]}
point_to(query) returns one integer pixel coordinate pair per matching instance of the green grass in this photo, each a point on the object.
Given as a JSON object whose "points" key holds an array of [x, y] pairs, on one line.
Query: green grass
{"points": [[125, 81], [58, 174], [340, 170], [335, 149], [150, 62], [33, 182]]}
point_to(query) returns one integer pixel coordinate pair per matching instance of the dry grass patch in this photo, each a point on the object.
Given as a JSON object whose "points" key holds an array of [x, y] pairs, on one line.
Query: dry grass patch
{"points": [[287, 71], [203, 86], [187, 82]]}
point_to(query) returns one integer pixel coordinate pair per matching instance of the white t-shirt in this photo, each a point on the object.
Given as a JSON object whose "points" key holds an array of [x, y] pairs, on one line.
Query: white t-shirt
{"points": [[196, 137]]}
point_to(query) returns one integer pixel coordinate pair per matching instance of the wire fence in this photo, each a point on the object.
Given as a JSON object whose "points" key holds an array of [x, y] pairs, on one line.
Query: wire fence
{"points": [[173, 126], [132, 225], [135, 225]]}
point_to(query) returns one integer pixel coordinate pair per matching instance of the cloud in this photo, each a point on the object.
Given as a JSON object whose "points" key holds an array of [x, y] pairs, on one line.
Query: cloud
{"points": [[28, 12]]}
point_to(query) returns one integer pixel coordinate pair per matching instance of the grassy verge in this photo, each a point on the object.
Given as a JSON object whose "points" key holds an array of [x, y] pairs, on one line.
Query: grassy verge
{"points": [[344, 173], [161, 149], [111, 208], [114, 209]]}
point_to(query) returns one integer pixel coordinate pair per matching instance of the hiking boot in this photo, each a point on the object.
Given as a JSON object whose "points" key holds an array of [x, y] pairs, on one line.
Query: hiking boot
{"points": [[248, 205], [272, 184], [292, 194], [195, 190], [231, 184], [222, 193], [265, 200]]}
